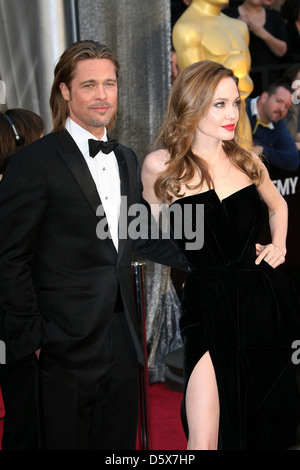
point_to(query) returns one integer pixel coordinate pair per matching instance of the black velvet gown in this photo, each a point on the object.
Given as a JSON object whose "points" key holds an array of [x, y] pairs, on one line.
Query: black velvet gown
{"points": [[247, 316]]}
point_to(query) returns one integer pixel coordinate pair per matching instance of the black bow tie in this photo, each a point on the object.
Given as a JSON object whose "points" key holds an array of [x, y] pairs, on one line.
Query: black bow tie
{"points": [[106, 147]]}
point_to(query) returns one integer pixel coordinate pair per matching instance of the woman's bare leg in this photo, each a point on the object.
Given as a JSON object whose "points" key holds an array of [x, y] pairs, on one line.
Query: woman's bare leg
{"points": [[202, 406]]}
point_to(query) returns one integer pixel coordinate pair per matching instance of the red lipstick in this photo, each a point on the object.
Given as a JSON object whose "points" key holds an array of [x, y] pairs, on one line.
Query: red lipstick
{"points": [[229, 127]]}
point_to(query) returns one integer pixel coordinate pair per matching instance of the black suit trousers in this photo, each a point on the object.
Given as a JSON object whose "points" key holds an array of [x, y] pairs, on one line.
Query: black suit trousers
{"points": [[92, 408], [19, 391]]}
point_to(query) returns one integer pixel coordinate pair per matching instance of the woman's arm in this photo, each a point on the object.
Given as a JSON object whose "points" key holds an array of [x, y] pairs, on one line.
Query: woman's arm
{"points": [[277, 46], [154, 164], [159, 249], [275, 252]]}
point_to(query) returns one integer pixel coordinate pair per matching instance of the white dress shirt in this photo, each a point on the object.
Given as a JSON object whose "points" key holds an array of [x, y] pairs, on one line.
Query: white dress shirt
{"points": [[105, 172]]}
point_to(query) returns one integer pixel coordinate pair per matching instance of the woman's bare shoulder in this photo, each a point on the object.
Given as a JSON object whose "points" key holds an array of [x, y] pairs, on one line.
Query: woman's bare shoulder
{"points": [[255, 156], [156, 161]]}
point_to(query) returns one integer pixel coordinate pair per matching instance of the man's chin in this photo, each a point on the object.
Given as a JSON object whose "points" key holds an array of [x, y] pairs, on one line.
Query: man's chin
{"points": [[98, 124], [103, 122]]}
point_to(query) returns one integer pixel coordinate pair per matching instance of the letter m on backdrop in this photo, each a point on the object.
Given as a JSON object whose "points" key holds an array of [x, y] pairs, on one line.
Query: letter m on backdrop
{"points": [[2, 352]]}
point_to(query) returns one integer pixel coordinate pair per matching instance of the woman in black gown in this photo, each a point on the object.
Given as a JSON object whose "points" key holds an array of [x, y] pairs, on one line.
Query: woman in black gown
{"points": [[240, 316]]}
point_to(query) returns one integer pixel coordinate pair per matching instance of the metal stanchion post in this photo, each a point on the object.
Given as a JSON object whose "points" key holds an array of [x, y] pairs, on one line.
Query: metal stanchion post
{"points": [[138, 287]]}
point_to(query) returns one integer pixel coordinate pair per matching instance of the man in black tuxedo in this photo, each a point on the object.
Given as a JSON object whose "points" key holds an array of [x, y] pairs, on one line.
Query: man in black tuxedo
{"points": [[66, 288]]}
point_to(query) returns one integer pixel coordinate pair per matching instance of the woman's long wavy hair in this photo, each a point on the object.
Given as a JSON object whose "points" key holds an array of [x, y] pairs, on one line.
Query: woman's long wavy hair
{"points": [[189, 101], [64, 73]]}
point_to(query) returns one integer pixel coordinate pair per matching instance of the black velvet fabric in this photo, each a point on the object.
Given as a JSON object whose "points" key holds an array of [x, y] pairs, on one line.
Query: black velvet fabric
{"points": [[247, 317]]}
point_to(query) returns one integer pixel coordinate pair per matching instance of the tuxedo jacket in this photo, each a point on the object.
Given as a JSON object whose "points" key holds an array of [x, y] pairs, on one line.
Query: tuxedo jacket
{"points": [[58, 280]]}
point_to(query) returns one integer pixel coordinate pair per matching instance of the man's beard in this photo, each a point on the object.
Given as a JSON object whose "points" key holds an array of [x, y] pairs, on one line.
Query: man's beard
{"points": [[98, 123]]}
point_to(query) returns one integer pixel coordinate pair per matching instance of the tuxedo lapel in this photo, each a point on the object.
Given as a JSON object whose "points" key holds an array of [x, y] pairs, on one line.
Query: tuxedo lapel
{"points": [[123, 170], [124, 178], [77, 165], [79, 168]]}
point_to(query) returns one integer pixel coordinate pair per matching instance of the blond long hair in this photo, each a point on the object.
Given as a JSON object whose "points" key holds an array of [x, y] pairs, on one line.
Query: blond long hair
{"points": [[64, 73], [190, 97]]}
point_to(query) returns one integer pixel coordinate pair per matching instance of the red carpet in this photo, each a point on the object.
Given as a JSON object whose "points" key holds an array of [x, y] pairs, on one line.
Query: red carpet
{"points": [[165, 430]]}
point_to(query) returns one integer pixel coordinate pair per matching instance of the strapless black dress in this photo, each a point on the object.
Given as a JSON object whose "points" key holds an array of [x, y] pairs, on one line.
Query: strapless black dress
{"points": [[247, 316]]}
